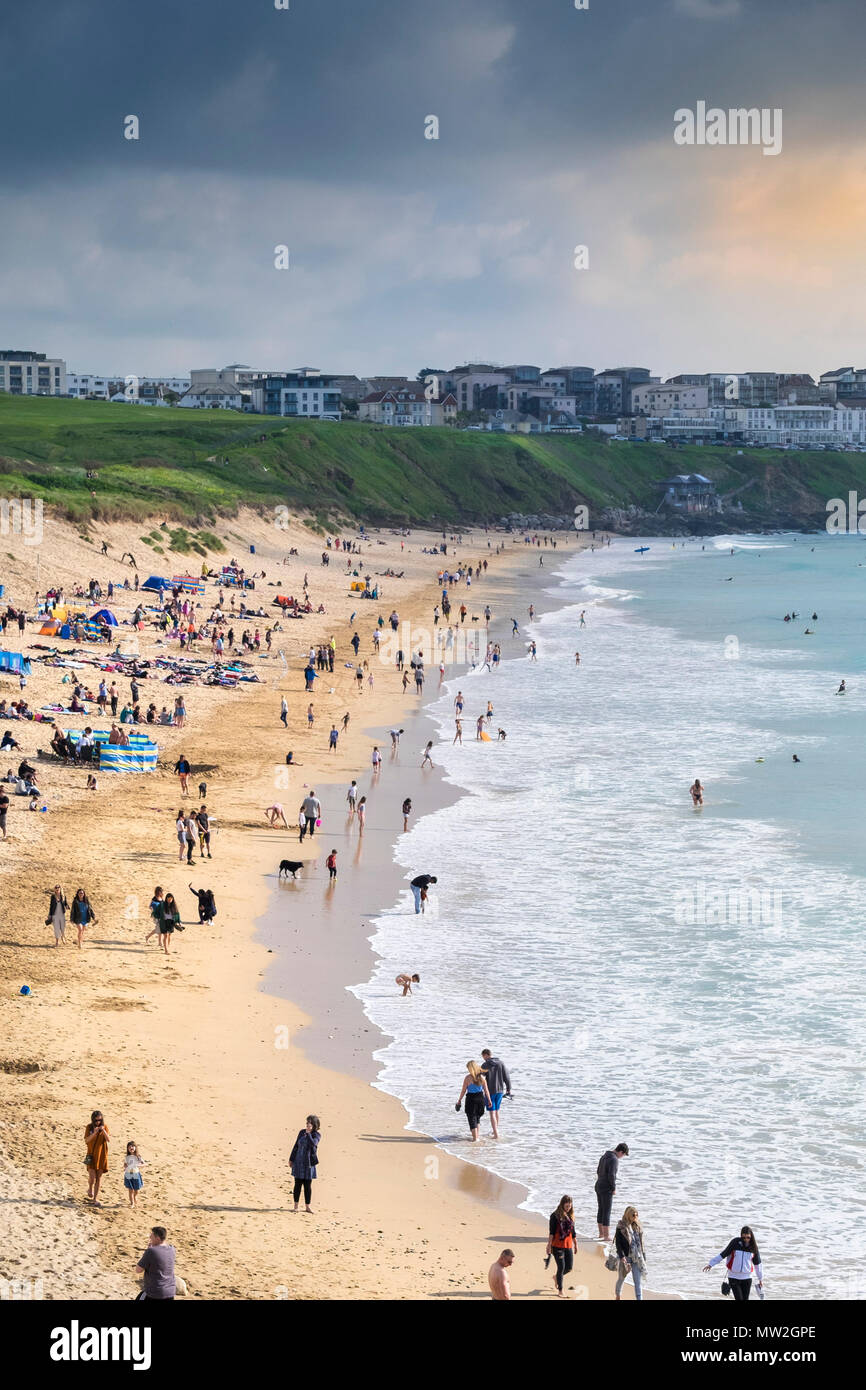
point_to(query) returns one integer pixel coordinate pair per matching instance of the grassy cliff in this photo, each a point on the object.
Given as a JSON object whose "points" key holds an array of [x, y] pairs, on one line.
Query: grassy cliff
{"points": [[194, 465]]}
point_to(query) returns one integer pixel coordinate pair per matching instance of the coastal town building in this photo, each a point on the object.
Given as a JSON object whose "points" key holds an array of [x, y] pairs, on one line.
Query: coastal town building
{"points": [[408, 406], [26, 373], [215, 397], [662, 399], [305, 393]]}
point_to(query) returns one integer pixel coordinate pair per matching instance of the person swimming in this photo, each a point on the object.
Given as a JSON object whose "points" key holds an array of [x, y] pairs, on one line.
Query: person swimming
{"points": [[795, 759]]}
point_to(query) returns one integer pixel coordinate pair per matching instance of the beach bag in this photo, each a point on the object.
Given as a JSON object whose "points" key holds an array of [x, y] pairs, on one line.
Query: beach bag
{"points": [[88, 1160], [611, 1259], [726, 1288]]}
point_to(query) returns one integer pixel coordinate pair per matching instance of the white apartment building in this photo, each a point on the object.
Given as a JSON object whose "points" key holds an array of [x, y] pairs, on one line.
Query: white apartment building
{"points": [[80, 385], [784, 426], [135, 390], [24, 373], [652, 399]]}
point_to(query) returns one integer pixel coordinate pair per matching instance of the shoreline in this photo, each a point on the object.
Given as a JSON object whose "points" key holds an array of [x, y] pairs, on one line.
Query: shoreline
{"points": [[337, 1030]]}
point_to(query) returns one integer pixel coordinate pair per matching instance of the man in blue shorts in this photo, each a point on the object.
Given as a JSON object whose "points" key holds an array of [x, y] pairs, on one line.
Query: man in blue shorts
{"points": [[498, 1084]]}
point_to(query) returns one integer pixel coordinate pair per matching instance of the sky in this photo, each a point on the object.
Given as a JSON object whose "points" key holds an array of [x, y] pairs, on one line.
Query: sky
{"points": [[305, 127]]}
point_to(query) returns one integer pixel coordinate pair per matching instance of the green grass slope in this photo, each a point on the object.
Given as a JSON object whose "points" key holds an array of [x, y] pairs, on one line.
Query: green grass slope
{"points": [[171, 462]]}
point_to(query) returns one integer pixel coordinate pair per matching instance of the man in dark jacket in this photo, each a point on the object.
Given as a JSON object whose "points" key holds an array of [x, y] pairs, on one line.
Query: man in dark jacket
{"points": [[605, 1186]]}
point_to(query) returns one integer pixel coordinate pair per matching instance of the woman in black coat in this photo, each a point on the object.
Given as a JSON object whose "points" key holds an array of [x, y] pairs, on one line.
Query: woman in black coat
{"points": [[303, 1159]]}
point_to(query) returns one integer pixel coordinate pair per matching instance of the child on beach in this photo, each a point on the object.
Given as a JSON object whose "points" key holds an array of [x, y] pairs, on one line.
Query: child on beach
{"points": [[406, 981], [132, 1164], [331, 863], [407, 811]]}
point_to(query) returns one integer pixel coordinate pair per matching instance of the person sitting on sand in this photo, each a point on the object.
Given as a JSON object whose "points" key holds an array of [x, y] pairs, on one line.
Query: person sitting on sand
{"points": [[406, 981]]}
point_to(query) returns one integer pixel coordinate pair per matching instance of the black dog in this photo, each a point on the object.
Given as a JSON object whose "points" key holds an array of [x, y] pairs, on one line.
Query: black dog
{"points": [[290, 866]]}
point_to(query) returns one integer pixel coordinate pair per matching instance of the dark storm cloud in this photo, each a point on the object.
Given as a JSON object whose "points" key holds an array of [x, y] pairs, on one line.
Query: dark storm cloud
{"points": [[305, 127], [338, 88]]}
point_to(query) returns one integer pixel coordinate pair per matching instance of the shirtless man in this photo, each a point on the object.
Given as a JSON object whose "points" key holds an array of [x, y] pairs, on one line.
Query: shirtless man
{"points": [[497, 1277]]}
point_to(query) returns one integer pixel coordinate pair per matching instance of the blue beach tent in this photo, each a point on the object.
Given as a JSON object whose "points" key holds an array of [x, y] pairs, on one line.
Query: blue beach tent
{"points": [[104, 616], [14, 661], [156, 582]]}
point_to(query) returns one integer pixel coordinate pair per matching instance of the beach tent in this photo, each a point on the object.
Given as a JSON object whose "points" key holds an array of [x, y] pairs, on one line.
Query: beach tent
{"points": [[65, 632], [140, 756], [49, 628], [104, 616], [14, 661], [156, 582]]}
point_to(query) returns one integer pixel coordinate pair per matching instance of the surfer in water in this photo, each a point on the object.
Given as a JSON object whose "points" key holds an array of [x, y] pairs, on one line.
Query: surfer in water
{"points": [[697, 793], [843, 689]]}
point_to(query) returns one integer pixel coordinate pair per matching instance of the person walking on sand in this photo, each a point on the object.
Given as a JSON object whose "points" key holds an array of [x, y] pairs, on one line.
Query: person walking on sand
{"points": [[331, 865], [477, 1097], [170, 921], [419, 888], [81, 914], [182, 768], [428, 755], [156, 915], [312, 810], [302, 1161], [562, 1240], [132, 1165], [696, 792], [630, 1249], [497, 1277], [333, 736], [96, 1140], [605, 1186], [376, 760], [362, 814], [190, 835], [743, 1263], [284, 711], [180, 828], [407, 811], [498, 1083], [57, 910], [406, 981]]}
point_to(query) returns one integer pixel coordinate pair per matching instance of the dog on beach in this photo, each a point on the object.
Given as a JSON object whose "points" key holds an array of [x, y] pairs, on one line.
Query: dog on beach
{"points": [[290, 866]]}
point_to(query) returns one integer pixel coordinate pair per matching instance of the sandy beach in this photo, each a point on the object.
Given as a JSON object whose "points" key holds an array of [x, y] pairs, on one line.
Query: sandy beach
{"points": [[199, 1056]]}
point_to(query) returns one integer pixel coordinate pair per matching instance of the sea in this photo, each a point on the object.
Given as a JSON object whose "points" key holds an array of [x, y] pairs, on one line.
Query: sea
{"points": [[690, 982]]}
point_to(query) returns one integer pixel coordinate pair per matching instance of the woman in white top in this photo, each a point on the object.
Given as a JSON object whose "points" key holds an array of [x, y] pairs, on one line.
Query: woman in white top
{"points": [[180, 827]]}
